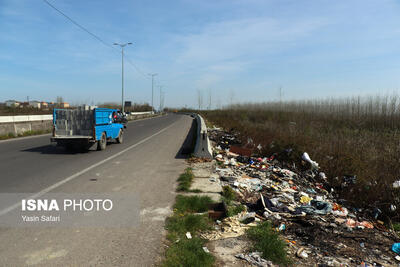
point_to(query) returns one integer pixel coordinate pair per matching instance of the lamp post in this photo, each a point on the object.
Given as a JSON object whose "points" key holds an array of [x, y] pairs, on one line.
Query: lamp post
{"points": [[152, 90], [160, 95], [122, 53]]}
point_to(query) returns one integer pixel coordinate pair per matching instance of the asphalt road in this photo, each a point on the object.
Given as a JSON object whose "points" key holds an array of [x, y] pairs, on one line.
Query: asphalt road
{"points": [[147, 164]]}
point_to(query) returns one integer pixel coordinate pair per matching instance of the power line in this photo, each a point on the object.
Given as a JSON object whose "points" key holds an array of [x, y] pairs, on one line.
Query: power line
{"points": [[95, 36], [80, 26]]}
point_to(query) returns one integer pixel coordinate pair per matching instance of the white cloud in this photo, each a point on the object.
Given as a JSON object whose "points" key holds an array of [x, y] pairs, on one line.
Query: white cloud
{"points": [[238, 39]]}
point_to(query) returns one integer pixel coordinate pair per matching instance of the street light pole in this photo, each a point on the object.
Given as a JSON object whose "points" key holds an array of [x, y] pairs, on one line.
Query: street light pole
{"points": [[152, 90], [122, 54], [160, 96]]}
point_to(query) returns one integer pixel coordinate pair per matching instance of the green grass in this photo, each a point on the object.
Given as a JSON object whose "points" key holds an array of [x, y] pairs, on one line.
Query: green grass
{"points": [[185, 204], [183, 251], [185, 180], [27, 133], [233, 210], [269, 243], [228, 194], [188, 252], [177, 225]]}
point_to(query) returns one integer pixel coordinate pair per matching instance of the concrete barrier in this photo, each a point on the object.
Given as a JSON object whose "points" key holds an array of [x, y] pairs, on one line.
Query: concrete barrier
{"points": [[25, 118], [22, 123], [203, 146]]}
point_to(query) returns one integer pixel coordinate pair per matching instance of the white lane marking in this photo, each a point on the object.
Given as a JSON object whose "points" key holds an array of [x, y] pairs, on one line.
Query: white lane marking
{"points": [[54, 186]]}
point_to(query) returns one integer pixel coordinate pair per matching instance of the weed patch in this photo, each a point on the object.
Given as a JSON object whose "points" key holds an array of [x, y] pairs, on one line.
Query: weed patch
{"points": [[233, 210], [185, 204], [228, 194], [188, 252], [269, 243], [185, 180]]}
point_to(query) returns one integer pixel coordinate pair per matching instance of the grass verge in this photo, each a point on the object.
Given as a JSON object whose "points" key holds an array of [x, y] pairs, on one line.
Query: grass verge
{"points": [[181, 250], [269, 243], [185, 180], [188, 252], [186, 204]]}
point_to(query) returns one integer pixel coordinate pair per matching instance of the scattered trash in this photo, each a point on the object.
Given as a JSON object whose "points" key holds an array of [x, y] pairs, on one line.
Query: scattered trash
{"points": [[301, 204], [307, 158], [301, 253], [188, 235], [396, 248], [254, 258], [206, 250]]}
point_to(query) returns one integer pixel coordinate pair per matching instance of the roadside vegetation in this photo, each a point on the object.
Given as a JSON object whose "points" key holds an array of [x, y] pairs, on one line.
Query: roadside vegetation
{"points": [[351, 136], [27, 133], [187, 218], [185, 180], [267, 241]]}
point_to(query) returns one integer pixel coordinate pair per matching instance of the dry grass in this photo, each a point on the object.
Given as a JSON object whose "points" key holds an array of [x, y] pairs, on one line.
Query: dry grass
{"points": [[355, 136]]}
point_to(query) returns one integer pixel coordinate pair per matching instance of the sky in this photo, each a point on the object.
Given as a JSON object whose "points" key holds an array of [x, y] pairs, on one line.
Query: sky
{"points": [[234, 50]]}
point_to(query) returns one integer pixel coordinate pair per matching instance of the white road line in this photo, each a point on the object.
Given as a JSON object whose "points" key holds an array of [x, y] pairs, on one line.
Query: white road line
{"points": [[54, 186]]}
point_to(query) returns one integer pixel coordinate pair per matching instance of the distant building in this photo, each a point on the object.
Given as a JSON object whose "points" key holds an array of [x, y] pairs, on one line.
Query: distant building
{"points": [[34, 104], [44, 105], [64, 105], [24, 104], [12, 103]]}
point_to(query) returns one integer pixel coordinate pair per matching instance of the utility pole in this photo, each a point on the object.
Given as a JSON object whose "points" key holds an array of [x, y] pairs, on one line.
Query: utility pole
{"points": [[152, 90], [160, 96], [122, 54]]}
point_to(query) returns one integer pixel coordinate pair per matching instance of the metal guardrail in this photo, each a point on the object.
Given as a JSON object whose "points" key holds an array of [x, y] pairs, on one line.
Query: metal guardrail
{"points": [[203, 146]]}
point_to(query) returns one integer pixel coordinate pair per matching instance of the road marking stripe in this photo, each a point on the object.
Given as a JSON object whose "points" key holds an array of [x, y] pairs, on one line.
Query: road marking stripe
{"points": [[54, 186]]}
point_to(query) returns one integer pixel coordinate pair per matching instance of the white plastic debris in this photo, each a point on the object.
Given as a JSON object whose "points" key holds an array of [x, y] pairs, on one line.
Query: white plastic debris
{"points": [[206, 250], [322, 175], [396, 184], [188, 235], [307, 158]]}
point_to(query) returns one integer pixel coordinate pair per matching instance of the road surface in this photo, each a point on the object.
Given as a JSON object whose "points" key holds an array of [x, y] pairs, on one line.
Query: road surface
{"points": [[147, 164]]}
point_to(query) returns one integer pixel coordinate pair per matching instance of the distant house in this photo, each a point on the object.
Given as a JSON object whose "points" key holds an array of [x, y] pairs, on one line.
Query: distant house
{"points": [[34, 104], [44, 105], [64, 105], [24, 104], [12, 103]]}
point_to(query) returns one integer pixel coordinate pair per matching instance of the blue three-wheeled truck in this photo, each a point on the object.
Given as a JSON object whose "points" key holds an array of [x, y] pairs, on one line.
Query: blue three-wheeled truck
{"points": [[79, 129]]}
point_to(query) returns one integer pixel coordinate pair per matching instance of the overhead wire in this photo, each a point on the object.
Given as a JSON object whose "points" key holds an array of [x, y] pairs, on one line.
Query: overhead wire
{"points": [[94, 36]]}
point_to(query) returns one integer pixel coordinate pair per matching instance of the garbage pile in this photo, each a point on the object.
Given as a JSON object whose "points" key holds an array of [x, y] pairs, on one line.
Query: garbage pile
{"points": [[319, 229]]}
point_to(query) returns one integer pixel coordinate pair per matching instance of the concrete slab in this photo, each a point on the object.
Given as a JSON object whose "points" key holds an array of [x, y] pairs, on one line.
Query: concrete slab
{"points": [[205, 185], [202, 172]]}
